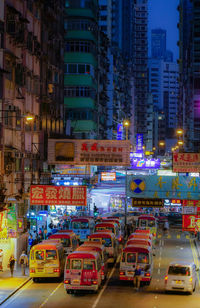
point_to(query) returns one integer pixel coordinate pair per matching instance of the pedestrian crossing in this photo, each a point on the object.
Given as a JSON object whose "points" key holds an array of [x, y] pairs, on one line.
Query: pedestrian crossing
{"points": [[178, 236]]}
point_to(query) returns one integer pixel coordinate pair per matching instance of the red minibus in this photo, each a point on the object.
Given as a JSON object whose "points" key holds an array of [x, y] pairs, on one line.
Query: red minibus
{"points": [[82, 271], [69, 241]]}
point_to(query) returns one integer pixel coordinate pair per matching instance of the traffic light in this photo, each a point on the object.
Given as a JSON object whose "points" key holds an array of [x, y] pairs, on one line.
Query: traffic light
{"points": [[95, 211]]}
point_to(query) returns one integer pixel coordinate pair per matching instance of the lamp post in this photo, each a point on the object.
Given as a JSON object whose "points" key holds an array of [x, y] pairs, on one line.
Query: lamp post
{"points": [[126, 124], [180, 141]]}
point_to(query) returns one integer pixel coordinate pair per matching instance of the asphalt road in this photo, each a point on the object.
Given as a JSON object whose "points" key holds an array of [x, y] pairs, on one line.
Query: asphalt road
{"points": [[175, 246]]}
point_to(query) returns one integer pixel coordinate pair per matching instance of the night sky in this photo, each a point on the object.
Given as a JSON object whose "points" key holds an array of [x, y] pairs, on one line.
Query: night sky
{"points": [[163, 14]]}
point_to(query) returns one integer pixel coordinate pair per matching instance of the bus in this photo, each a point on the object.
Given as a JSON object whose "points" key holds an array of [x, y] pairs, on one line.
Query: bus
{"points": [[109, 225], [46, 260], [108, 239], [133, 256], [82, 271], [148, 222], [137, 241], [83, 227], [98, 247], [69, 240]]}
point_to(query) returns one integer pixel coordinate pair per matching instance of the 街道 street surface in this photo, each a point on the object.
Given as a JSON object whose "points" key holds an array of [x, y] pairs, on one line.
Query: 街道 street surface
{"points": [[176, 245]]}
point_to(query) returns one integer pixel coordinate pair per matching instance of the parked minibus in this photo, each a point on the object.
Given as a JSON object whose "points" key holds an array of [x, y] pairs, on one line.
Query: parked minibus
{"points": [[69, 241], [83, 271], [136, 241], [148, 222], [113, 226], [46, 260], [121, 230], [83, 227], [133, 256], [98, 247], [108, 239]]}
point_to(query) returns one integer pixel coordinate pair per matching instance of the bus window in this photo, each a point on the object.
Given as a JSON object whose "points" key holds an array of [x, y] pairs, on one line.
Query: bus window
{"points": [[151, 223], [76, 225], [143, 258], [51, 255], [107, 242], [143, 223], [84, 225], [39, 255], [65, 242], [88, 265], [131, 257], [76, 264]]}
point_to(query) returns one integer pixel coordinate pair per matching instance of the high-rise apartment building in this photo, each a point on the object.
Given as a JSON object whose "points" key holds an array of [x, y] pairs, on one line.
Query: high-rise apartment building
{"points": [[142, 112], [189, 69], [158, 43]]}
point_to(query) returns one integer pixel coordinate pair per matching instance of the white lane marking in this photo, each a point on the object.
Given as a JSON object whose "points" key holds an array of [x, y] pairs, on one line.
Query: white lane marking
{"points": [[104, 287], [12, 299], [52, 293], [158, 271], [156, 297], [160, 242], [158, 279], [159, 264]]}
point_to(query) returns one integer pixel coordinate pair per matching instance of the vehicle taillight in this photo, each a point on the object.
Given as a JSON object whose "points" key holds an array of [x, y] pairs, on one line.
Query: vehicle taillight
{"points": [[67, 281], [120, 239], [166, 278], [94, 282], [32, 270], [147, 274], [56, 270], [122, 273]]}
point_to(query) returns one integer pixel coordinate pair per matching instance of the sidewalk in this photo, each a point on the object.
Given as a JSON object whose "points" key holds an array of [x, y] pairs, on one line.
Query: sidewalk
{"points": [[9, 285]]}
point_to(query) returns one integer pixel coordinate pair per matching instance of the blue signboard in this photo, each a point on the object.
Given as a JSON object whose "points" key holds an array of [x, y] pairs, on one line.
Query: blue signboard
{"points": [[119, 131], [163, 187], [139, 143]]}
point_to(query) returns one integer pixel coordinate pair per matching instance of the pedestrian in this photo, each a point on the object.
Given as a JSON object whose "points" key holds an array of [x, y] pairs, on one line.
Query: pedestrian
{"points": [[23, 261], [1, 260], [137, 277], [166, 226], [45, 233], [11, 264]]}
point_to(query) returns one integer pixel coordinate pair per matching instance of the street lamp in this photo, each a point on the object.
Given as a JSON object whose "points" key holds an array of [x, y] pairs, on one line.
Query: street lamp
{"points": [[179, 132], [126, 124], [180, 142]]}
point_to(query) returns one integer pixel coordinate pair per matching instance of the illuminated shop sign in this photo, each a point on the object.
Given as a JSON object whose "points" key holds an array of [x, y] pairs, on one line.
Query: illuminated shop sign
{"points": [[139, 143], [108, 176], [58, 195], [147, 202], [145, 163], [119, 132]]}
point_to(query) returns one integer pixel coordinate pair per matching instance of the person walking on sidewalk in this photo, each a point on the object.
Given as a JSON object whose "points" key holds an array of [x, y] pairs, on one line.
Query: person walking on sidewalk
{"points": [[11, 264], [23, 261], [1, 260]]}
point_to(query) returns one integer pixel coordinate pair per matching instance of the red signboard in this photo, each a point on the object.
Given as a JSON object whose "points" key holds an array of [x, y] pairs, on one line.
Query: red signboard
{"points": [[186, 162], [58, 195], [191, 223], [191, 202]]}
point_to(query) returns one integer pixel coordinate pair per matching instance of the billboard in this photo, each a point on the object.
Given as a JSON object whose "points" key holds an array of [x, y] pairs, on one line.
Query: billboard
{"points": [[108, 176], [139, 143], [145, 163], [58, 195], [89, 152], [191, 223], [163, 187], [141, 202], [186, 162]]}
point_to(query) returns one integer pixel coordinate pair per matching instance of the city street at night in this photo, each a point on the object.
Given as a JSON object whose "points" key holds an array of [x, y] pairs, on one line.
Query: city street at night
{"points": [[176, 245]]}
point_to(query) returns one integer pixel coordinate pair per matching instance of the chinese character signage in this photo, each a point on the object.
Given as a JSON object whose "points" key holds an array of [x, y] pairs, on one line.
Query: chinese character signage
{"points": [[20, 224], [145, 163], [89, 152], [139, 143], [191, 223], [108, 176], [163, 187], [136, 202], [186, 162], [119, 131], [58, 195]]}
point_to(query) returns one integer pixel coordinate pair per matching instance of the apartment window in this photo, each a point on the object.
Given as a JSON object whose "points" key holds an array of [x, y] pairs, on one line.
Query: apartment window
{"points": [[79, 46], [79, 69], [79, 92], [82, 24]]}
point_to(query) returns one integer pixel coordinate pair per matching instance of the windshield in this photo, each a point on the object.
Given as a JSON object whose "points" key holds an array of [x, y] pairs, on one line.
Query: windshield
{"points": [[51, 255], [151, 223], [143, 258], [39, 255], [76, 264], [88, 265], [104, 228], [107, 242], [179, 270], [80, 225], [65, 242], [131, 257], [142, 223]]}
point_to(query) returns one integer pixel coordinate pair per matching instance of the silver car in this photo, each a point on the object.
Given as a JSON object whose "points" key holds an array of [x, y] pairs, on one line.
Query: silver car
{"points": [[181, 276]]}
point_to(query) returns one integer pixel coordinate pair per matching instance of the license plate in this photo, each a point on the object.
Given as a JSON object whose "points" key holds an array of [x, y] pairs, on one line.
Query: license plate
{"points": [[75, 281], [49, 270], [178, 282]]}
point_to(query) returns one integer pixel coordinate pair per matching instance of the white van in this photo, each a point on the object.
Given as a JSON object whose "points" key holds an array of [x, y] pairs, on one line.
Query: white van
{"points": [[181, 276]]}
